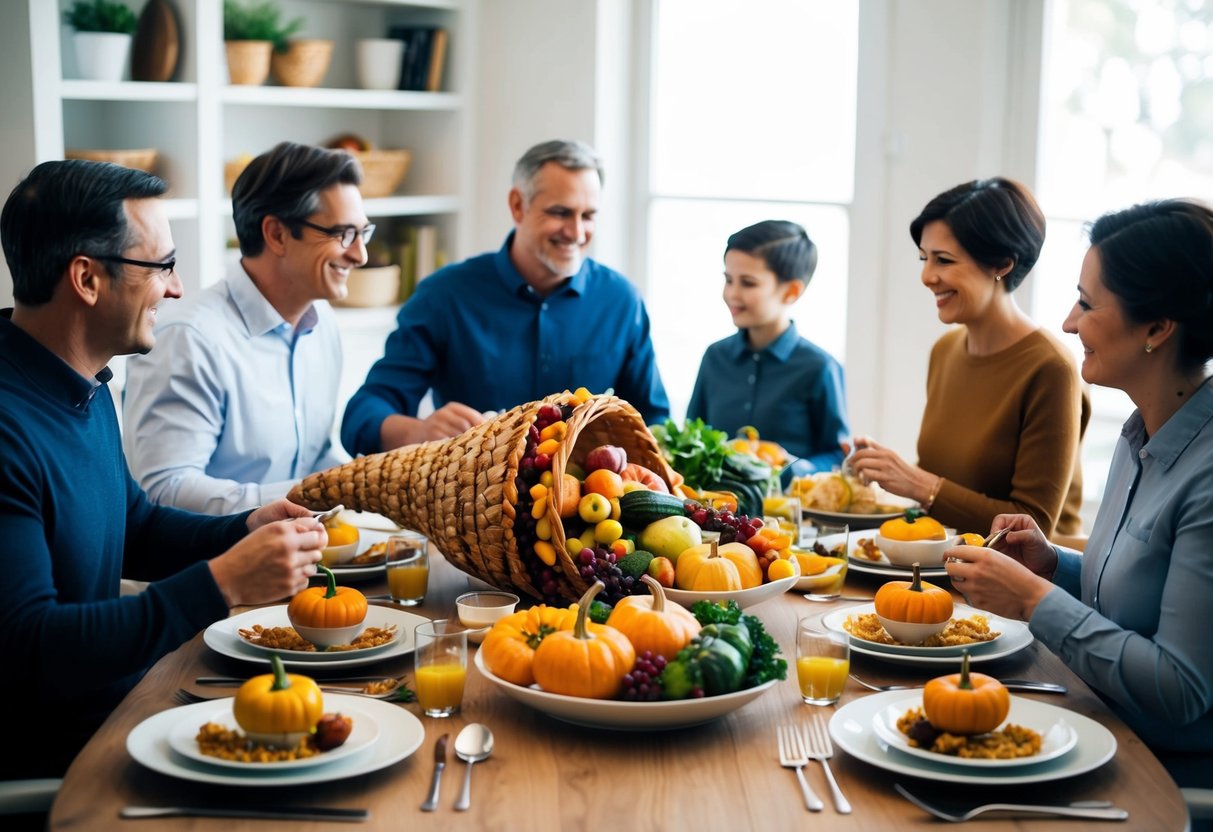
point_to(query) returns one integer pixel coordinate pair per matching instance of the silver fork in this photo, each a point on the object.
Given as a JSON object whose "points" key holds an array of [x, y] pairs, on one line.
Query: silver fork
{"points": [[818, 747], [1099, 810], [791, 755], [1021, 685]]}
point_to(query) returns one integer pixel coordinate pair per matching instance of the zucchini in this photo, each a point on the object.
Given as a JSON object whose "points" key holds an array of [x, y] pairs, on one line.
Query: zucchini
{"points": [[639, 508]]}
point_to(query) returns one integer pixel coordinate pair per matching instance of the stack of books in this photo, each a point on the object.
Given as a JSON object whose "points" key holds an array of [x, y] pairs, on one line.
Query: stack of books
{"points": [[424, 56]]}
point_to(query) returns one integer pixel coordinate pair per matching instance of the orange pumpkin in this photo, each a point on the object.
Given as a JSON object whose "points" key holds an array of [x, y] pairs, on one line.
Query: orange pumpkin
{"points": [[652, 623], [914, 601], [710, 567], [964, 702], [588, 661], [645, 476], [328, 605], [509, 648], [913, 525]]}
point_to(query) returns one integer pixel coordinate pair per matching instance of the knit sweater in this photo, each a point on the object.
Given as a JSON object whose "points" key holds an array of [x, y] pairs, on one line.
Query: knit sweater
{"points": [[1004, 432], [73, 522]]}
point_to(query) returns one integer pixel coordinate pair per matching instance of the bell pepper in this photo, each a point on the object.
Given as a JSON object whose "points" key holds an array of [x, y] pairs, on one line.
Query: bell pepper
{"points": [[708, 663]]}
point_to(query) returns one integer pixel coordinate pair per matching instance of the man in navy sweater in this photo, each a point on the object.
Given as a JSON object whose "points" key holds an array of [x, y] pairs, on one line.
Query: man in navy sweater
{"points": [[91, 255]]}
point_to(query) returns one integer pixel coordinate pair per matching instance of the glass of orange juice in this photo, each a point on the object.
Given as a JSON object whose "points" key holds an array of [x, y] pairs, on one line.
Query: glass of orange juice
{"points": [[441, 659], [407, 564], [823, 661]]}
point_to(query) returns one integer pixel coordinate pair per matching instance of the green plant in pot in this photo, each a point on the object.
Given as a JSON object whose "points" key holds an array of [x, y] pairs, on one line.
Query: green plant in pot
{"points": [[103, 38], [251, 33]]}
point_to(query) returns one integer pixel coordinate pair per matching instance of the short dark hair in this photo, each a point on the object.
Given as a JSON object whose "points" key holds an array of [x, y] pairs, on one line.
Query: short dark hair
{"points": [[996, 220], [784, 246], [65, 208], [285, 182], [1157, 258]]}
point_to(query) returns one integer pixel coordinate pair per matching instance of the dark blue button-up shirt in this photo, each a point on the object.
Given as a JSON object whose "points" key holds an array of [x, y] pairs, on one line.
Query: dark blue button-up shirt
{"points": [[792, 392], [475, 332]]}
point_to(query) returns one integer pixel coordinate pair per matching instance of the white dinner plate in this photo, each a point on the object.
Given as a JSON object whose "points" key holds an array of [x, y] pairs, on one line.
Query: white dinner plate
{"points": [[851, 727], [836, 619], [1013, 640], [864, 521], [1057, 734], [223, 638], [366, 539], [744, 597], [373, 619], [183, 738], [400, 734], [626, 716]]}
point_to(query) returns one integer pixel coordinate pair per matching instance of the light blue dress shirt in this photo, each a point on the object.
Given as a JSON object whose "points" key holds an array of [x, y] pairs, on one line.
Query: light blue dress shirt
{"points": [[1132, 615], [233, 405]]}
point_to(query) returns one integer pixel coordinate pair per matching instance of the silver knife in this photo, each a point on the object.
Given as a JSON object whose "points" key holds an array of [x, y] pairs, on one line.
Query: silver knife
{"points": [[431, 802], [263, 813], [236, 681]]}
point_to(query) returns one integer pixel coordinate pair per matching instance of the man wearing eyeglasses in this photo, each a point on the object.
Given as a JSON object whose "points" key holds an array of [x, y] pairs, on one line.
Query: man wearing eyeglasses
{"points": [[533, 318], [92, 258], [238, 402]]}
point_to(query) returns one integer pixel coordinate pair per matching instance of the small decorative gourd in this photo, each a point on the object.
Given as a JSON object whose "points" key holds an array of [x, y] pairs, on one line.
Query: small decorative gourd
{"points": [[278, 708], [964, 702], [653, 623], [914, 524], [327, 606], [509, 648], [914, 601], [710, 567], [589, 661]]}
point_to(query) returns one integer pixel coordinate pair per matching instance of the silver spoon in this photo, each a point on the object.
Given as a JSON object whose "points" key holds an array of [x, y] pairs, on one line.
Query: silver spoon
{"points": [[474, 743], [835, 597], [324, 517]]}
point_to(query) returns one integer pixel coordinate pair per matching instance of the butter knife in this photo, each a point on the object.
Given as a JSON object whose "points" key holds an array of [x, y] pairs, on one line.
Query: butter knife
{"points": [[321, 813], [431, 802]]}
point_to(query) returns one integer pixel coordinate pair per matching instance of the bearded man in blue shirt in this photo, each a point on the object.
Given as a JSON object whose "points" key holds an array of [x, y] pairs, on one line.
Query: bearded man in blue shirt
{"points": [[503, 328]]}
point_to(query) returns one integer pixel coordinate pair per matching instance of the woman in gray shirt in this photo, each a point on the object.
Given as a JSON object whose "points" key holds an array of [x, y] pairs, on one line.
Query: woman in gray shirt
{"points": [[1131, 616]]}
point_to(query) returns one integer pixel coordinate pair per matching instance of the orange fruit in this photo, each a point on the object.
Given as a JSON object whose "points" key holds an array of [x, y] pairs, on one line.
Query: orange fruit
{"points": [[972, 539], [604, 482], [341, 533], [781, 568]]}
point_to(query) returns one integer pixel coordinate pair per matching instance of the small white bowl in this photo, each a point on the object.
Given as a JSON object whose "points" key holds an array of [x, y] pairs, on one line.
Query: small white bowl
{"points": [[908, 633], [281, 740], [336, 555], [480, 610], [909, 552], [329, 636]]}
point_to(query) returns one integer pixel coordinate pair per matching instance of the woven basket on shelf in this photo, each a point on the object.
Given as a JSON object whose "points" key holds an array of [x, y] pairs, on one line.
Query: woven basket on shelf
{"points": [[248, 61], [382, 170], [462, 492], [143, 159], [303, 64]]}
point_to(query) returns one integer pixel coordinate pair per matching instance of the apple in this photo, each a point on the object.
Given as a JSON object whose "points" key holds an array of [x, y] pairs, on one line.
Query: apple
{"points": [[610, 457], [669, 537]]}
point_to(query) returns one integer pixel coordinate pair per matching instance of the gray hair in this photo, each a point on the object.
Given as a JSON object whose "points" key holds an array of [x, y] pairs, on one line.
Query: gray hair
{"points": [[568, 153]]}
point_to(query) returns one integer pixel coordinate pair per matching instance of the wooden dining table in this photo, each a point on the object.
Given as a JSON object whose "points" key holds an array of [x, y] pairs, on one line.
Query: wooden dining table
{"points": [[545, 774]]}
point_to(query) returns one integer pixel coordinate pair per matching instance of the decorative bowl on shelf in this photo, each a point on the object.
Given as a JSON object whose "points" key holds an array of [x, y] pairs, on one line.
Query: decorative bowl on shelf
{"points": [[140, 158], [382, 170], [372, 286], [303, 64]]}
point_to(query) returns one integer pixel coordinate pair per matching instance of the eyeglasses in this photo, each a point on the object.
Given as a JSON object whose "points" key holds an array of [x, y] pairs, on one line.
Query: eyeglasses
{"points": [[345, 234], [165, 267]]}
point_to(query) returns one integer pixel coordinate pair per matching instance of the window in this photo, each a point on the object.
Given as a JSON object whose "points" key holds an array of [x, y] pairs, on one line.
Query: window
{"points": [[1128, 98], [752, 117]]}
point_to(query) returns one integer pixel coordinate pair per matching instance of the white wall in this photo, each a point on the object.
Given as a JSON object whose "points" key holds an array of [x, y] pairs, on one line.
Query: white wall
{"points": [[17, 106]]}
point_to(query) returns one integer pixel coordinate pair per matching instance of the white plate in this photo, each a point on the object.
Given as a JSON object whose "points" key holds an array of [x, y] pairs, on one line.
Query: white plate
{"points": [[373, 619], [627, 716], [865, 521], [890, 570], [835, 620], [1053, 724], [183, 738], [806, 583], [1014, 639], [851, 728], [743, 597], [367, 537], [223, 638], [400, 734]]}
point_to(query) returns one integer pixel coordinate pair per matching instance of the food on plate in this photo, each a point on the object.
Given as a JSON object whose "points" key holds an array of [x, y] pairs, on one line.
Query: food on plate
{"points": [[342, 543], [959, 715], [332, 730], [838, 493], [867, 549], [748, 442], [914, 524], [959, 631], [327, 615], [913, 602], [285, 638], [374, 554]]}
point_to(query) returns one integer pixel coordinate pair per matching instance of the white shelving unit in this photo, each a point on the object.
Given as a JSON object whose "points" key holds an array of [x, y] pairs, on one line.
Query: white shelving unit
{"points": [[198, 121]]}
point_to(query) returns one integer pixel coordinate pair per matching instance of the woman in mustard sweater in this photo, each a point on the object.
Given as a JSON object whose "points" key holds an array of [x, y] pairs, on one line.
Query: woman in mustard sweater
{"points": [[1005, 409]]}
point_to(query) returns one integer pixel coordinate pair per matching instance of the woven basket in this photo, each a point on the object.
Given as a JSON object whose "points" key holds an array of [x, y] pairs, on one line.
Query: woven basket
{"points": [[141, 159], [464, 495], [382, 170], [248, 61], [304, 63]]}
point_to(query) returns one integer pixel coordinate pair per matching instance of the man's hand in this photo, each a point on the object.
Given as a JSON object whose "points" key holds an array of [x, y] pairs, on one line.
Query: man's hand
{"points": [[278, 510], [271, 563], [449, 420]]}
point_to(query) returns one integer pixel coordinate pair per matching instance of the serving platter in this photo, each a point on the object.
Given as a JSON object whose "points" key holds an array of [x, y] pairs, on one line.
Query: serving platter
{"points": [[1052, 723], [400, 734], [852, 729], [744, 597], [621, 715], [223, 637]]}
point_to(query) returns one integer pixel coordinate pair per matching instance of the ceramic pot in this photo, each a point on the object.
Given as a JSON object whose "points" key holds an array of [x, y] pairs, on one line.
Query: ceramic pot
{"points": [[102, 56], [379, 61]]}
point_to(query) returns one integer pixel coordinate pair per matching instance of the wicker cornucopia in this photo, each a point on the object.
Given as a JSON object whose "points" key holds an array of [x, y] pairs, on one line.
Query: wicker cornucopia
{"points": [[468, 492]]}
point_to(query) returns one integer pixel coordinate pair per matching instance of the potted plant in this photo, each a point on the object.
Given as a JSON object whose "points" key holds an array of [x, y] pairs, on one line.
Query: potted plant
{"points": [[250, 34], [103, 38]]}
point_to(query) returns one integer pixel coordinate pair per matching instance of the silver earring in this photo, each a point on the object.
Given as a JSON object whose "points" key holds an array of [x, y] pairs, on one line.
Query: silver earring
{"points": [[1149, 347]]}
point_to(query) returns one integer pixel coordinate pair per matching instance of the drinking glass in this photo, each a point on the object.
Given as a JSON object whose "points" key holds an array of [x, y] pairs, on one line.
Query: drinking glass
{"points": [[823, 661], [835, 537], [441, 660], [407, 564]]}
